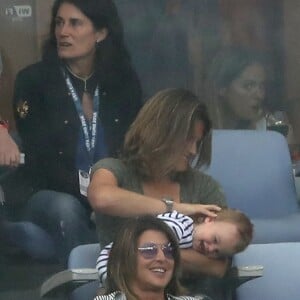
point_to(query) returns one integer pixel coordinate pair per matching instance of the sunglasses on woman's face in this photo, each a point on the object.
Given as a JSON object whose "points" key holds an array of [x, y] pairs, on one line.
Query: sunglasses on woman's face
{"points": [[150, 250]]}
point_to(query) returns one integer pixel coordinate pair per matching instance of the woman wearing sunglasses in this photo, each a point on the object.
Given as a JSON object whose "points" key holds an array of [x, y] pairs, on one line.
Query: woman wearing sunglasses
{"points": [[154, 174], [144, 263]]}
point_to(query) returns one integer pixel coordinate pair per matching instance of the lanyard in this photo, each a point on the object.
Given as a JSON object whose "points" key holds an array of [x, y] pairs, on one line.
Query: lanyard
{"points": [[89, 130]]}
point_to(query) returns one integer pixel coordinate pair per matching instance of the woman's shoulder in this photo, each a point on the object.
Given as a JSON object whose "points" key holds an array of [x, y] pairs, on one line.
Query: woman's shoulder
{"points": [[199, 177], [37, 72], [109, 163], [30, 70], [115, 166], [28, 84]]}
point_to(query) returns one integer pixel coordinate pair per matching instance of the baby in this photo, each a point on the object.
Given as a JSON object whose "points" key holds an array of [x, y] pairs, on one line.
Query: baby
{"points": [[222, 236]]}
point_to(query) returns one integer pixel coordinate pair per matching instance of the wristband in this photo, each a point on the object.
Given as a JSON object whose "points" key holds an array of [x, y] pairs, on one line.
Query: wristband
{"points": [[4, 124]]}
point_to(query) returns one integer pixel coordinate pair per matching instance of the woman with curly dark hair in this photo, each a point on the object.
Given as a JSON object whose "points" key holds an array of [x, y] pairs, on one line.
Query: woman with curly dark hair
{"points": [[72, 109]]}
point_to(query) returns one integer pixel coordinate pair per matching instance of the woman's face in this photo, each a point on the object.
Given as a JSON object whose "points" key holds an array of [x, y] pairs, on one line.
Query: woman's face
{"points": [[245, 94], [75, 34], [153, 273]]}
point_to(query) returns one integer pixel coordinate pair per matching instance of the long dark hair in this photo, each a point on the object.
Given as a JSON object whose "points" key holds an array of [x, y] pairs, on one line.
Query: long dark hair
{"points": [[229, 63], [112, 57], [122, 263]]}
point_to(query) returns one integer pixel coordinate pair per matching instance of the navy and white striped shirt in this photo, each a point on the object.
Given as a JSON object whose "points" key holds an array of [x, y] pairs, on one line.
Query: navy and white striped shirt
{"points": [[121, 296]]}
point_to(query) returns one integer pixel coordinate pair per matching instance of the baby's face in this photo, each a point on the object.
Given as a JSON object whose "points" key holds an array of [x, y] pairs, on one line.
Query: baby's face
{"points": [[215, 238]]}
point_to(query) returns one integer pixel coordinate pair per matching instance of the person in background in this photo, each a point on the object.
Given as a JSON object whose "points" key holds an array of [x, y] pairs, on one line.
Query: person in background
{"points": [[154, 174], [228, 233], [236, 88], [144, 263], [72, 109], [236, 94]]}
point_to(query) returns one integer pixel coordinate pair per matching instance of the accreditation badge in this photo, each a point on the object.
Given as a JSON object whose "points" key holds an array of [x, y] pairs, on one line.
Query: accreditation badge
{"points": [[84, 181]]}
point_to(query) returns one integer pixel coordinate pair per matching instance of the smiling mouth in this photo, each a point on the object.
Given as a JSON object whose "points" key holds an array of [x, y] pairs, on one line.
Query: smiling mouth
{"points": [[159, 270]]}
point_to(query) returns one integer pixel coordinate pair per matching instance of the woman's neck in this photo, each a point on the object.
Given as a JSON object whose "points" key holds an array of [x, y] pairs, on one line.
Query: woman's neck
{"points": [[150, 295], [81, 68], [231, 121]]}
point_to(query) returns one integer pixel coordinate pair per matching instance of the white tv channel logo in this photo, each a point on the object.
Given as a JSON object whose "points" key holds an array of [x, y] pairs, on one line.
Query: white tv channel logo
{"points": [[21, 11]]}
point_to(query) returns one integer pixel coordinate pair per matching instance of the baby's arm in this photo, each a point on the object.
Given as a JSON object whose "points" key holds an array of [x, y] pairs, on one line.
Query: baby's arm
{"points": [[182, 226], [101, 264]]}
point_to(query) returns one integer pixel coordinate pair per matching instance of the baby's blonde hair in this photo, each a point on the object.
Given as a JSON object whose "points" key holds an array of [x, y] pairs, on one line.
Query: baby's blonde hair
{"points": [[243, 224]]}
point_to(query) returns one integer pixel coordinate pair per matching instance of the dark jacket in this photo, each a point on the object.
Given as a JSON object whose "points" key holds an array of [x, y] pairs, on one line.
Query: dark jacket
{"points": [[48, 123]]}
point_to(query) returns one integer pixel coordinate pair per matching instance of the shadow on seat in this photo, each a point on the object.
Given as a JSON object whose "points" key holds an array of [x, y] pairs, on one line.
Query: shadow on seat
{"points": [[81, 280], [281, 272], [85, 256], [254, 169]]}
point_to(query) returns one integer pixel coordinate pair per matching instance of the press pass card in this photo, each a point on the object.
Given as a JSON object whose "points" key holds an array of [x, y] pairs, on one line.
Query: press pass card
{"points": [[84, 181]]}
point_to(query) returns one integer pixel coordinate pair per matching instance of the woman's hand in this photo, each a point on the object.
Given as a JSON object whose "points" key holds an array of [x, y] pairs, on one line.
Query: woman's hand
{"points": [[209, 210], [9, 151]]}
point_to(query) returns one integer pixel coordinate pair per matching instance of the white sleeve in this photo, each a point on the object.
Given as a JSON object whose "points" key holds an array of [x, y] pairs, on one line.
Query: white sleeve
{"points": [[101, 264], [182, 226]]}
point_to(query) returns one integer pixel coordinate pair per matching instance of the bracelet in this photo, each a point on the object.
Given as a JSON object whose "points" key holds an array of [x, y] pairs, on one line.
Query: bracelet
{"points": [[4, 124]]}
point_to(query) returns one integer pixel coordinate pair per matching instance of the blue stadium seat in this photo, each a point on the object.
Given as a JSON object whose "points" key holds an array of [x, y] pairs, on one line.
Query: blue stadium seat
{"points": [[281, 273], [255, 171], [84, 256], [80, 280]]}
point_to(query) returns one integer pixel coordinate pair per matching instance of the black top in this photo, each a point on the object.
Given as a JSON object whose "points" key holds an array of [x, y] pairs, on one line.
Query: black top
{"points": [[48, 123]]}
